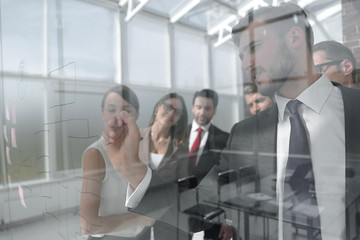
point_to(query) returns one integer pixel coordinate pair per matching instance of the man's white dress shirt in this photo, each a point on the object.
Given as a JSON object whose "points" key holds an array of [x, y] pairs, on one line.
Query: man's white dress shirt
{"points": [[322, 113], [204, 137]]}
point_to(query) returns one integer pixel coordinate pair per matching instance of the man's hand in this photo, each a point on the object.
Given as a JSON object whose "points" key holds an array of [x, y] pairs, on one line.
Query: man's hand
{"points": [[122, 138], [225, 232]]}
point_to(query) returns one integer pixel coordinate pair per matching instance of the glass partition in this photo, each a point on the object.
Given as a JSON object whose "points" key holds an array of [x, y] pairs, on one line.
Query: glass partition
{"points": [[61, 176]]}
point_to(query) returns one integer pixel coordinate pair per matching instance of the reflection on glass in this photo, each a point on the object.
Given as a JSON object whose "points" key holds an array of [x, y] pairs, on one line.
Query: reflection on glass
{"points": [[49, 119]]}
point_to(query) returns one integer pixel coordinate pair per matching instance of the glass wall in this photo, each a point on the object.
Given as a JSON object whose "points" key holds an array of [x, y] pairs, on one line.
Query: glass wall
{"points": [[59, 58], [191, 59], [147, 37], [84, 35], [23, 37]]}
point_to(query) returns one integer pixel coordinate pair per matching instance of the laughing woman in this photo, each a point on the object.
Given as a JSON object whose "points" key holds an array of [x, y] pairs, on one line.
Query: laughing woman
{"points": [[162, 144], [164, 148]]}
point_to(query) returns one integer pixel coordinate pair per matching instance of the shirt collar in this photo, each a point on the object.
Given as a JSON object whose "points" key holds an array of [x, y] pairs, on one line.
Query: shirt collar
{"points": [[313, 97], [195, 126]]}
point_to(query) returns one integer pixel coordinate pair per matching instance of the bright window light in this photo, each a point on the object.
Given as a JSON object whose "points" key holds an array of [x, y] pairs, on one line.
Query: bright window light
{"points": [[222, 24], [328, 12]]}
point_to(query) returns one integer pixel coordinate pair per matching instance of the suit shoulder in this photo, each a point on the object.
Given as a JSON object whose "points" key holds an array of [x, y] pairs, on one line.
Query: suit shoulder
{"points": [[354, 92], [219, 131], [245, 123], [350, 95], [244, 128]]}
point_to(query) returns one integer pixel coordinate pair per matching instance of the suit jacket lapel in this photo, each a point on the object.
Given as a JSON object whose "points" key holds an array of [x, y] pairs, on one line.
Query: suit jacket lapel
{"points": [[352, 141], [265, 142], [210, 139], [189, 130], [171, 148], [209, 142]]}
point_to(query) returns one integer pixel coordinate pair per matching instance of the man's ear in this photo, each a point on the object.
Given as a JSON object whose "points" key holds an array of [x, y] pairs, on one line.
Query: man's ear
{"points": [[347, 67], [295, 36]]}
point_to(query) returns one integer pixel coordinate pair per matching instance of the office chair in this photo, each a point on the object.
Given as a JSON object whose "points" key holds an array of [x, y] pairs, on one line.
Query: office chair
{"points": [[246, 183], [241, 177], [201, 215], [226, 178]]}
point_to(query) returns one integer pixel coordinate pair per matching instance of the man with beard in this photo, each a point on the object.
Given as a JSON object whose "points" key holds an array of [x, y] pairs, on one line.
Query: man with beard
{"points": [[308, 144], [205, 151], [205, 141]]}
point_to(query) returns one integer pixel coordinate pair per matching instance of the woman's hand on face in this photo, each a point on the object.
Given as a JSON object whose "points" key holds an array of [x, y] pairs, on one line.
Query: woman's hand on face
{"points": [[113, 130], [122, 139]]}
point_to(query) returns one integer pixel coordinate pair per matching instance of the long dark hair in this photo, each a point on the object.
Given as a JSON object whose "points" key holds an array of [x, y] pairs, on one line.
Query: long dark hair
{"points": [[178, 132]]}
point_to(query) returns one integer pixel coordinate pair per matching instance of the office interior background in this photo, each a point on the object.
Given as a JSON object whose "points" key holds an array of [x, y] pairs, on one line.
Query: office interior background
{"points": [[58, 58]]}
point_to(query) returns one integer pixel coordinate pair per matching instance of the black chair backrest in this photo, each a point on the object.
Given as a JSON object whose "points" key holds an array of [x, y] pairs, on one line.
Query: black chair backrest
{"points": [[227, 177], [187, 183], [247, 173]]}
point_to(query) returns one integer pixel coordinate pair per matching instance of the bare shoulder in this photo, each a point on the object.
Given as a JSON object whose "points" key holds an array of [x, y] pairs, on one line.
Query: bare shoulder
{"points": [[93, 163]]}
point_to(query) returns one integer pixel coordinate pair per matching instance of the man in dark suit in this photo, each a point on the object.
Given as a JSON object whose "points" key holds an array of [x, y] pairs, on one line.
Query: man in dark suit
{"points": [[275, 46], [212, 139], [205, 141]]}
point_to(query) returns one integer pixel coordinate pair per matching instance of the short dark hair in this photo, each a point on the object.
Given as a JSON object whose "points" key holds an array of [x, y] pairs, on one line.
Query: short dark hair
{"points": [[250, 88], [292, 13], [126, 93], [179, 131], [337, 51], [207, 93]]}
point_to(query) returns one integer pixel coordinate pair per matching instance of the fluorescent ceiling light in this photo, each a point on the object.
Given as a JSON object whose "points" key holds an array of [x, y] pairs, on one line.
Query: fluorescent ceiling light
{"points": [[222, 40], [222, 24], [262, 4], [122, 2], [311, 22], [328, 12], [275, 3], [179, 14], [242, 11], [304, 3], [224, 29], [131, 12], [255, 4]]}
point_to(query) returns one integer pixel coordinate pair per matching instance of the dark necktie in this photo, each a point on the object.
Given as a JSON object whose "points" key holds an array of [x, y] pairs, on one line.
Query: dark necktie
{"points": [[195, 148], [300, 177]]}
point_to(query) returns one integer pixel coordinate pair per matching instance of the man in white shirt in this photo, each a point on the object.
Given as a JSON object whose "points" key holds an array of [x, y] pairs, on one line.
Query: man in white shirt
{"points": [[275, 46], [205, 141], [212, 138]]}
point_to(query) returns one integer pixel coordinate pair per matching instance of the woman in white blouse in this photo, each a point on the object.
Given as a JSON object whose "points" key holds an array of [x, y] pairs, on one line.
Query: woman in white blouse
{"points": [[103, 214]]}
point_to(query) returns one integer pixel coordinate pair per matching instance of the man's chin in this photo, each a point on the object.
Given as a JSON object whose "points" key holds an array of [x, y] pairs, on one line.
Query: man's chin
{"points": [[270, 88], [202, 123]]}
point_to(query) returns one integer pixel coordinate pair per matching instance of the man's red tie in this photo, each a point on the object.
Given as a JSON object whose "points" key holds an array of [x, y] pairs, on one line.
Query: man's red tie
{"points": [[195, 148]]}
